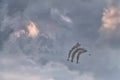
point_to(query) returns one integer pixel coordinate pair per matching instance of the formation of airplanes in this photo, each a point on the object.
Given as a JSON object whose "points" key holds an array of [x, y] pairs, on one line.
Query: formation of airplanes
{"points": [[75, 50]]}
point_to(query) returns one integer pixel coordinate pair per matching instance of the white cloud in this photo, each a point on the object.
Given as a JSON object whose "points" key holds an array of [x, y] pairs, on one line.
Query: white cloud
{"points": [[85, 76], [65, 18], [23, 76], [60, 17], [50, 71]]}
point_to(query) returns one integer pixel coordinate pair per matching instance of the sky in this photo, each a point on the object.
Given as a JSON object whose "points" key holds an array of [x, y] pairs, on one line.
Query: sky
{"points": [[36, 36]]}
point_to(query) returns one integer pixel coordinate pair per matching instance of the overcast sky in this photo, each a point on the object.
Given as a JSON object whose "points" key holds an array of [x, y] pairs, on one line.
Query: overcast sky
{"points": [[60, 24]]}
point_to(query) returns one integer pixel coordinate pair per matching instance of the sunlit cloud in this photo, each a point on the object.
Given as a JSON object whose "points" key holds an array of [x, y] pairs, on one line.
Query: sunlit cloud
{"points": [[109, 29], [33, 31], [111, 18]]}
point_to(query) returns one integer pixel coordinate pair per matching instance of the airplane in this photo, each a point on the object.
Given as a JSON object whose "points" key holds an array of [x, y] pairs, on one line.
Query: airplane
{"points": [[76, 50]]}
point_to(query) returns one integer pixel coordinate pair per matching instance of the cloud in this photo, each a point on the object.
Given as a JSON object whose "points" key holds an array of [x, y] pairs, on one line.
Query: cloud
{"points": [[19, 33], [50, 71], [13, 76], [16, 7], [60, 17], [109, 31], [57, 37], [4, 61], [33, 31], [111, 18], [4, 35]]}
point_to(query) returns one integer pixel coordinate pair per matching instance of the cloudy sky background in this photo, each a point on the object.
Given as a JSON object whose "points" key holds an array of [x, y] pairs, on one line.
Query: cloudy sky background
{"points": [[61, 24]]}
